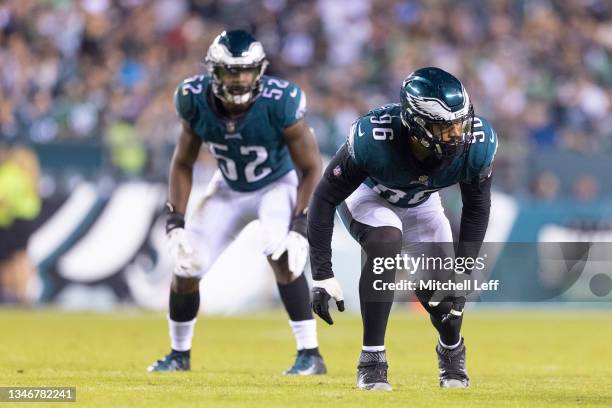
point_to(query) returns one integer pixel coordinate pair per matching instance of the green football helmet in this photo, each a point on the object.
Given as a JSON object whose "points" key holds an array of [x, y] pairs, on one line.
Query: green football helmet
{"points": [[231, 53], [437, 111]]}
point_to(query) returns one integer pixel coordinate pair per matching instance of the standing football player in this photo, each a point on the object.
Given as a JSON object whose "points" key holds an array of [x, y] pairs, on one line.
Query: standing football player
{"points": [[385, 179], [253, 124]]}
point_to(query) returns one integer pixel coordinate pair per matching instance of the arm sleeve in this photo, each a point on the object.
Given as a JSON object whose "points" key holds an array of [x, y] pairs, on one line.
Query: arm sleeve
{"points": [[474, 217], [341, 177]]}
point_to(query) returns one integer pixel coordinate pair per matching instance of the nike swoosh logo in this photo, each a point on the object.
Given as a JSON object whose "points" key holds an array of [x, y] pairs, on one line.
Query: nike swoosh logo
{"points": [[359, 131], [293, 93]]}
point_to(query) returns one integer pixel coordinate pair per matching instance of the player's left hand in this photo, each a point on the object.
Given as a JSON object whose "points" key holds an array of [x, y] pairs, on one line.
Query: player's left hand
{"points": [[296, 246]]}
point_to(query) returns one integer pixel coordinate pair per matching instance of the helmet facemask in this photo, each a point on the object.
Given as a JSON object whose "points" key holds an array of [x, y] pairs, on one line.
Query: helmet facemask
{"points": [[234, 92]]}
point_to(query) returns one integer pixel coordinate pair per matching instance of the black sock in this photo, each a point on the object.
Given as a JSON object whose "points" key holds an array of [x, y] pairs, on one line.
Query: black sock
{"points": [[296, 298], [184, 307], [450, 332], [381, 242], [375, 316]]}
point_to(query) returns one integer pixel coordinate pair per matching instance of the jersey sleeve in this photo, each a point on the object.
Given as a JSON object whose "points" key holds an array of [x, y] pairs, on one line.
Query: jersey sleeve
{"points": [[482, 151], [183, 103], [293, 107], [357, 143]]}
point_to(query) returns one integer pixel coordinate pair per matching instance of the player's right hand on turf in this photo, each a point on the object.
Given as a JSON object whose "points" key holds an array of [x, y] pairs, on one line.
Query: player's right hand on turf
{"points": [[322, 292], [458, 304]]}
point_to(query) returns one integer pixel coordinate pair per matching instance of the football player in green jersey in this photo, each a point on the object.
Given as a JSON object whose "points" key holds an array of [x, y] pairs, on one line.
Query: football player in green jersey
{"points": [[254, 125], [384, 181]]}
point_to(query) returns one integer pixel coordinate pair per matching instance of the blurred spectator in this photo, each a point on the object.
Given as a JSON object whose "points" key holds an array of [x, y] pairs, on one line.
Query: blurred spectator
{"points": [[19, 205], [18, 186], [540, 71], [546, 186], [127, 151], [585, 188]]}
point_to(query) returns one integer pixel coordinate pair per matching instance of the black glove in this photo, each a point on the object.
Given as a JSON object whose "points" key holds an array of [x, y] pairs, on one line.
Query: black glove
{"points": [[322, 292], [456, 310]]}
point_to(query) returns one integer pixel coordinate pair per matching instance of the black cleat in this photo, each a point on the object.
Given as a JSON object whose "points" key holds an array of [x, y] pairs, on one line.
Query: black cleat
{"points": [[372, 371], [451, 363], [307, 364], [175, 361]]}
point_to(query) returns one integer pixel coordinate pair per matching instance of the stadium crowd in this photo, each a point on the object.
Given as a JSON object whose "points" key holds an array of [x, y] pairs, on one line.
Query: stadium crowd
{"points": [[105, 70]]}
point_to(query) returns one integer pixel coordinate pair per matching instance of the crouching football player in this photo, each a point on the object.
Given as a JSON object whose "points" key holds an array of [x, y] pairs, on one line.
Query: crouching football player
{"points": [[253, 124], [385, 181]]}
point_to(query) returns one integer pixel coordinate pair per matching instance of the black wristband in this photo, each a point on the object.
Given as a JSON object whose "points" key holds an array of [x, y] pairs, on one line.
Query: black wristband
{"points": [[299, 224], [173, 218]]}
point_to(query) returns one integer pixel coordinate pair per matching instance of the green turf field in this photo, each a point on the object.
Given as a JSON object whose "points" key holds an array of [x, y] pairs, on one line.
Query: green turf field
{"points": [[515, 359]]}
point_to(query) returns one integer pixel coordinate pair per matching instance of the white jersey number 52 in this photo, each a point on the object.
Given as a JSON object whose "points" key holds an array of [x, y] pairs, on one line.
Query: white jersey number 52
{"points": [[228, 166]]}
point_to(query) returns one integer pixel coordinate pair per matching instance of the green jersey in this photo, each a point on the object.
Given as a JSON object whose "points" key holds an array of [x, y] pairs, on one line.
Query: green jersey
{"points": [[250, 150], [378, 143]]}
